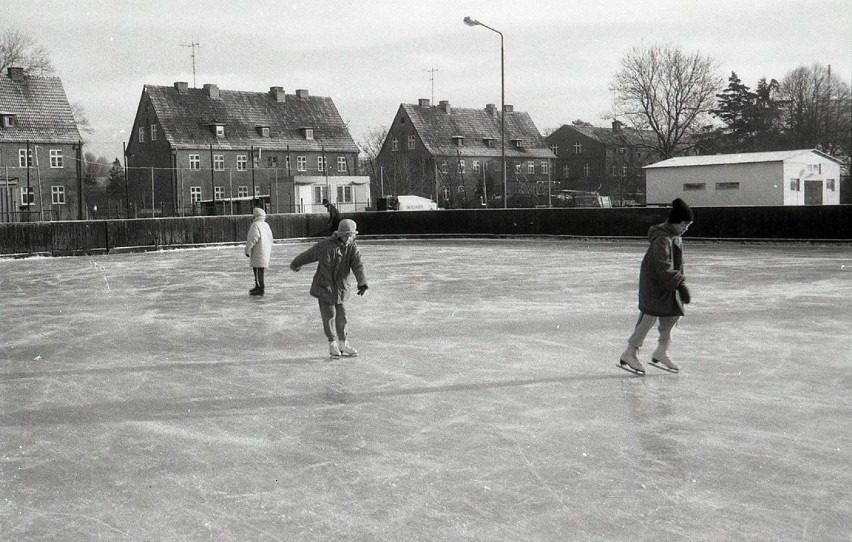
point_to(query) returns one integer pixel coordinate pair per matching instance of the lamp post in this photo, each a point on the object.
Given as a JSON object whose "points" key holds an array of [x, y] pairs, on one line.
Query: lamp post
{"points": [[473, 22]]}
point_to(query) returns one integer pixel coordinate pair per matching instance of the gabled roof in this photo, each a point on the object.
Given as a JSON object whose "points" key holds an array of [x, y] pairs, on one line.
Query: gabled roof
{"points": [[186, 118], [437, 128], [41, 109], [741, 158], [608, 136]]}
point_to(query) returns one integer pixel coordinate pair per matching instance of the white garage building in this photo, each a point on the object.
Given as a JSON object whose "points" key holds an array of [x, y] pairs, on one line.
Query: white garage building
{"points": [[798, 177]]}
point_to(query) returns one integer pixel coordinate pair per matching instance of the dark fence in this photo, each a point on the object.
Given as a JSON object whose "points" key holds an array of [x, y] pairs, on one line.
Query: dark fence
{"points": [[810, 223]]}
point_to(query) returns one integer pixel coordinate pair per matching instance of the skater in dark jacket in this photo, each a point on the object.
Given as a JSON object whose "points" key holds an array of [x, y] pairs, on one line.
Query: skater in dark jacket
{"points": [[333, 216], [336, 256], [662, 289]]}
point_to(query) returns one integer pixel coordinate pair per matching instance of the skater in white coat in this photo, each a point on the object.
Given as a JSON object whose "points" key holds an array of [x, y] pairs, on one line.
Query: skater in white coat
{"points": [[259, 249], [662, 289], [336, 256]]}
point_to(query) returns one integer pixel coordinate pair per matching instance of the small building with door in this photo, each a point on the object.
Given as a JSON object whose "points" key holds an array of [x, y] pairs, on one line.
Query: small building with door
{"points": [[796, 177], [210, 151]]}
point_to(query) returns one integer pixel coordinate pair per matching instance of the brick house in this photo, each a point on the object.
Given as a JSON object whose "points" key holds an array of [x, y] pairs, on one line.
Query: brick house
{"points": [[40, 150], [203, 151], [604, 160], [455, 153]]}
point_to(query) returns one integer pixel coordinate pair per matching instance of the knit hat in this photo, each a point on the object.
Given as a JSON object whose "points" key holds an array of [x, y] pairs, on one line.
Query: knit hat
{"points": [[258, 212], [680, 212], [346, 226]]}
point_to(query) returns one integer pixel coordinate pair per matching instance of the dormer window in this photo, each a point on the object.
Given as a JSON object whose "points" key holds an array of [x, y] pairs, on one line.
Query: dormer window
{"points": [[518, 143], [307, 133], [8, 120], [263, 131], [489, 141], [218, 129], [458, 140]]}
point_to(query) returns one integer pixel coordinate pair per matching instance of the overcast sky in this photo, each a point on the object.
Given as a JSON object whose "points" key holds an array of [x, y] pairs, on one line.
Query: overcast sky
{"points": [[371, 55]]}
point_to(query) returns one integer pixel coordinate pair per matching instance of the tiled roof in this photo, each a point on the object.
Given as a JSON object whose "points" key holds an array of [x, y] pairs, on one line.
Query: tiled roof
{"points": [[41, 109], [437, 128], [608, 136], [741, 158], [186, 119]]}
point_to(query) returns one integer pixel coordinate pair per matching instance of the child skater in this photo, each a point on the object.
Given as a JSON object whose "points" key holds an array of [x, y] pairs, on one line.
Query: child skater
{"points": [[662, 290], [259, 248], [336, 256]]}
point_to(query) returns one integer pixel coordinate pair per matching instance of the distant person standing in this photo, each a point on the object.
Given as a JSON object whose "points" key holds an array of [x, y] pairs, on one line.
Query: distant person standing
{"points": [[662, 289], [333, 216], [336, 256], [259, 248]]}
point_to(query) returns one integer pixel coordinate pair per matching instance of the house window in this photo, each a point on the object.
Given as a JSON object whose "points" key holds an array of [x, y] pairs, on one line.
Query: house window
{"points": [[219, 192], [578, 148], [461, 166], [220, 130], [218, 162], [320, 163], [458, 141], [394, 144], [57, 195], [566, 170], [242, 162], [302, 163], [341, 164], [530, 167], [545, 167], [287, 162], [624, 171], [194, 161], [27, 195], [309, 133], [242, 191], [141, 134], [445, 167], [554, 149], [411, 142], [488, 142], [587, 170], [8, 121], [518, 168], [25, 158], [256, 191], [194, 194], [320, 193], [344, 194], [56, 158], [795, 186], [264, 131], [614, 170], [621, 150], [829, 185], [693, 187], [477, 167], [153, 132], [727, 186]]}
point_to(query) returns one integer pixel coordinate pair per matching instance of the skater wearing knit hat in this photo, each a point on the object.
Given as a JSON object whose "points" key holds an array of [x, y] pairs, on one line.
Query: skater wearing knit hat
{"points": [[336, 257], [662, 290], [259, 249]]}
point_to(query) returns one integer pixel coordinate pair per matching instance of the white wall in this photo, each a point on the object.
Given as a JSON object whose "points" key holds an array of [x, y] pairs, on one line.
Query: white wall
{"points": [[812, 167], [759, 184]]}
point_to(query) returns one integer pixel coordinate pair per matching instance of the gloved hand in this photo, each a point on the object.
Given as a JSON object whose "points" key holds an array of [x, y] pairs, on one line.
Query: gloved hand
{"points": [[296, 269], [361, 289], [684, 294]]}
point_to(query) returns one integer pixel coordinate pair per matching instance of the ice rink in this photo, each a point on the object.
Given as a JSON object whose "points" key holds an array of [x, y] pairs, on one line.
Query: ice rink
{"points": [[146, 396]]}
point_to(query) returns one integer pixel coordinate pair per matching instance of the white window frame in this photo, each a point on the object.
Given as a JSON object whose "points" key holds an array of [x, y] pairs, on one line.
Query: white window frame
{"points": [[24, 191], [321, 163], [344, 194], [195, 161], [320, 193], [57, 195], [220, 130], [554, 149], [578, 147], [476, 166], [462, 166], [341, 164], [218, 162], [219, 192], [242, 191], [301, 163], [194, 194], [545, 165], [445, 167], [566, 171], [153, 132], [141, 134], [242, 162], [25, 159], [587, 170], [394, 144], [530, 167], [412, 142], [56, 159]]}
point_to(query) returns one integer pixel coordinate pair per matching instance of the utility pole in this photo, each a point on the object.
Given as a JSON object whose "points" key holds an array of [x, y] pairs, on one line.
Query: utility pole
{"points": [[432, 78], [192, 45]]}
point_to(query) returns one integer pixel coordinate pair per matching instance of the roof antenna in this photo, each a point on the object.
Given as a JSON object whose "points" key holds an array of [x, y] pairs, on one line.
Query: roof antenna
{"points": [[192, 44], [432, 71]]}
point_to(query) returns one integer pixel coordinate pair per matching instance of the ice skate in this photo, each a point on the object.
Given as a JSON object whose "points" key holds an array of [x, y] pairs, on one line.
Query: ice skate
{"points": [[660, 359], [347, 350], [630, 363], [333, 350], [257, 290]]}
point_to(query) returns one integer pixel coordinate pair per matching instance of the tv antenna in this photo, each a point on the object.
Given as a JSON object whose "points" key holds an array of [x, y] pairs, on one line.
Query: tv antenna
{"points": [[193, 45], [432, 77]]}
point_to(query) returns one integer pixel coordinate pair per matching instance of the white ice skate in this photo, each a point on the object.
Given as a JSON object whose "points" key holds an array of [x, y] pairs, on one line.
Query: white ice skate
{"points": [[333, 350], [630, 363], [347, 350], [661, 360]]}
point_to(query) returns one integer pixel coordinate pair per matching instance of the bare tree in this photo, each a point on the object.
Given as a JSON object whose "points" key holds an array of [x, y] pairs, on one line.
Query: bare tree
{"points": [[20, 50], [667, 91]]}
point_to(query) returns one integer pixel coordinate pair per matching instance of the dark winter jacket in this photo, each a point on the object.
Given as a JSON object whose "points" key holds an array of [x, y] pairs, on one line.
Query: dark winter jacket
{"points": [[334, 262], [662, 273]]}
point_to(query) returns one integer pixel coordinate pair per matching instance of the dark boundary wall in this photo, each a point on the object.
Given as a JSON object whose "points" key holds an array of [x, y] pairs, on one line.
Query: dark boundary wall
{"points": [[809, 223]]}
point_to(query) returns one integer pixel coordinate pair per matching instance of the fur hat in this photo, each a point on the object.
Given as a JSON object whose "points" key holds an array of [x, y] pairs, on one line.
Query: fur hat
{"points": [[325, 202], [258, 212], [346, 226], [680, 212]]}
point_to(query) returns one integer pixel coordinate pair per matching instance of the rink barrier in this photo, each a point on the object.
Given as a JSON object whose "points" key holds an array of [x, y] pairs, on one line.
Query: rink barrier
{"points": [[809, 223]]}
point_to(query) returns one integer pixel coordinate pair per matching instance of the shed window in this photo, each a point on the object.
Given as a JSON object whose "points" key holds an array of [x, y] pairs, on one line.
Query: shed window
{"points": [[829, 185], [728, 186], [795, 186], [692, 187]]}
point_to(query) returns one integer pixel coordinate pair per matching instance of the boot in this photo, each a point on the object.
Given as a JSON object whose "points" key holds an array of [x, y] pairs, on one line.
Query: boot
{"points": [[257, 290], [661, 357], [347, 350], [628, 357], [333, 349]]}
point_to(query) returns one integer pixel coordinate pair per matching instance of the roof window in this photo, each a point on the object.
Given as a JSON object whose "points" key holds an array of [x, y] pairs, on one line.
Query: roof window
{"points": [[8, 120], [307, 133]]}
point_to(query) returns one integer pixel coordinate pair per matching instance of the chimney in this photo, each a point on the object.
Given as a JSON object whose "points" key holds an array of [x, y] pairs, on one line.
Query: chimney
{"points": [[15, 73], [212, 91], [277, 94], [444, 105], [181, 86], [424, 102], [302, 93], [491, 109], [508, 108], [616, 126]]}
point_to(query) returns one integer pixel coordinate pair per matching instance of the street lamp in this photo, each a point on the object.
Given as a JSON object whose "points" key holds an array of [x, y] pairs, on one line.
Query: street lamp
{"points": [[473, 22]]}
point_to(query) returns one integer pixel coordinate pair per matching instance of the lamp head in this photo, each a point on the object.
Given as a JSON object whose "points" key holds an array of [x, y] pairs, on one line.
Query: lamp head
{"points": [[471, 22]]}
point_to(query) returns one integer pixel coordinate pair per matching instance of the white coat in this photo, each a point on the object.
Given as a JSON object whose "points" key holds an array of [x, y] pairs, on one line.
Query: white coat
{"points": [[259, 242]]}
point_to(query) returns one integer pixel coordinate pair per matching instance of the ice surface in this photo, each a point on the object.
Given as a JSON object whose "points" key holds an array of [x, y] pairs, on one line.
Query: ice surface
{"points": [[147, 396]]}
